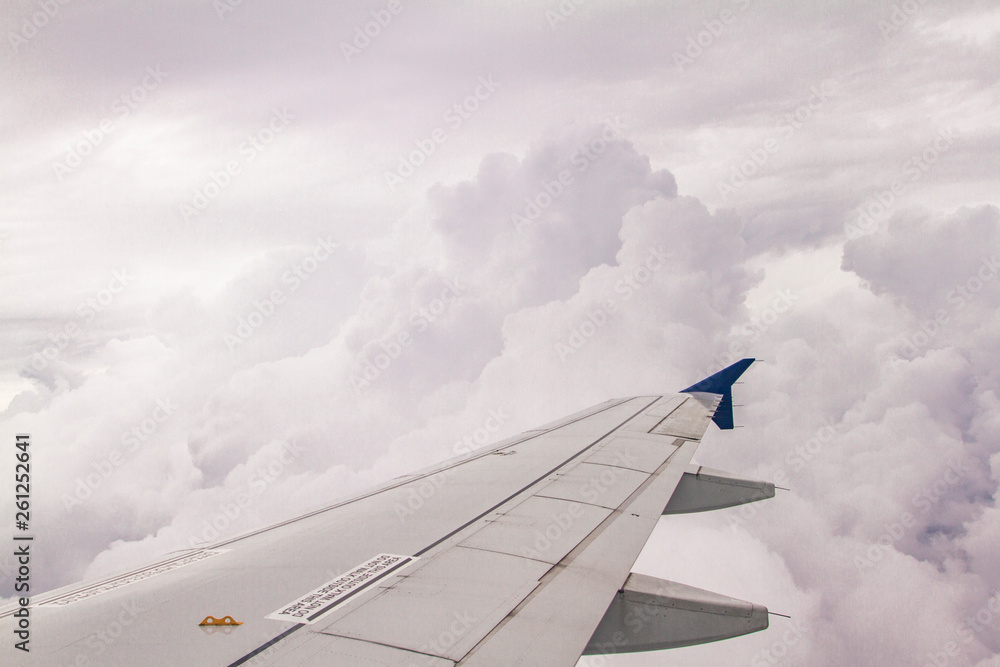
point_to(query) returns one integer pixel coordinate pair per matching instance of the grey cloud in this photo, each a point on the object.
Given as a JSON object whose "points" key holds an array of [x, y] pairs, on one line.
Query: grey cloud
{"points": [[635, 277]]}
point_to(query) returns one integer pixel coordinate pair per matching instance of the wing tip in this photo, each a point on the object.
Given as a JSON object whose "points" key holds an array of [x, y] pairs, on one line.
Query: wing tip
{"points": [[722, 383]]}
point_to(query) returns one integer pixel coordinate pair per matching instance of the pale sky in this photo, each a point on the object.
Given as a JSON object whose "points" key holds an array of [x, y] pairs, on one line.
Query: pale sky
{"points": [[286, 251]]}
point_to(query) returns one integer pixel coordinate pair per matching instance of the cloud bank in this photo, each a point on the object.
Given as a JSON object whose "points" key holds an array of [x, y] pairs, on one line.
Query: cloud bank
{"points": [[252, 271]]}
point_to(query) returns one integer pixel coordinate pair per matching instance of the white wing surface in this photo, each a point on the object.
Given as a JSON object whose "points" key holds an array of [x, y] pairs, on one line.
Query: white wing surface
{"points": [[519, 554]]}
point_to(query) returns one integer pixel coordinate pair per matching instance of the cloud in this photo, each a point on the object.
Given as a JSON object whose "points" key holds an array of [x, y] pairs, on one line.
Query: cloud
{"points": [[310, 331], [929, 262]]}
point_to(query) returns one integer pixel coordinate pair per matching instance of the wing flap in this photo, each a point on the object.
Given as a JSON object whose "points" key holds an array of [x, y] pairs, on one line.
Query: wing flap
{"points": [[690, 419], [541, 528], [314, 649], [447, 606], [602, 485], [554, 624], [470, 587], [634, 451]]}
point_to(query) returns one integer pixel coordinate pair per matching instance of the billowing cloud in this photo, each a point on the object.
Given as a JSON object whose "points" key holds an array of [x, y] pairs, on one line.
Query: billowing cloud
{"points": [[257, 263]]}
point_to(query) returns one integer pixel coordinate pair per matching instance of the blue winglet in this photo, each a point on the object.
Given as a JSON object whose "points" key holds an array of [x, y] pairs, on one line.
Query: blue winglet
{"points": [[722, 383]]}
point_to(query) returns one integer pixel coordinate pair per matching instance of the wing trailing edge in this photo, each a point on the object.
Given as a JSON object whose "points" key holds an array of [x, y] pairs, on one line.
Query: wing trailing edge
{"points": [[650, 614]]}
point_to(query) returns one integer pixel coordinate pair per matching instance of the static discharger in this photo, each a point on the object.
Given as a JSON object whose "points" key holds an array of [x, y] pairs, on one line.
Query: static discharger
{"points": [[225, 621]]}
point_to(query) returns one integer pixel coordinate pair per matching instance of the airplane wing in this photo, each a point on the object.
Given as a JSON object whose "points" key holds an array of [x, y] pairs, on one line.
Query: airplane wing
{"points": [[516, 554]]}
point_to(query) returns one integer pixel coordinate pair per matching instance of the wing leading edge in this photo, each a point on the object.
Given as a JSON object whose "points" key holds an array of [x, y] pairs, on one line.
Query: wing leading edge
{"points": [[518, 554]]}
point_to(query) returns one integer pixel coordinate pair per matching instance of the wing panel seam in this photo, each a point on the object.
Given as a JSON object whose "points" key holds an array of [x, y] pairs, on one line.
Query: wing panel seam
{"points": [[258, 650], [568, 559], [410, 479], [531, 484]]}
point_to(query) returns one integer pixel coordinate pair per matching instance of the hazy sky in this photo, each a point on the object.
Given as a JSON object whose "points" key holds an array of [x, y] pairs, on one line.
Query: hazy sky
{"points": [[285, 251]]}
